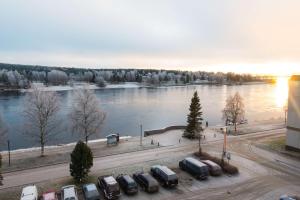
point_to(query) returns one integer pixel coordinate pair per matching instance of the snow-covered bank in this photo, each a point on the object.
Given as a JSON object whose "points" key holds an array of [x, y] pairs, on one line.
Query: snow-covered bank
{"points": [[78, 85], [60, 145]]}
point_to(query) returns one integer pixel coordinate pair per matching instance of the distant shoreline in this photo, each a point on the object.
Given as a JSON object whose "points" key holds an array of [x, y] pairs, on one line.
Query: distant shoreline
{"points": [[123, 85]]}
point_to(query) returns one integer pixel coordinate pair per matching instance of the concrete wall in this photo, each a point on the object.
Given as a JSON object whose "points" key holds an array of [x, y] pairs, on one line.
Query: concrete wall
{"points": [[159, 131], [293, 139], [293, 118]]}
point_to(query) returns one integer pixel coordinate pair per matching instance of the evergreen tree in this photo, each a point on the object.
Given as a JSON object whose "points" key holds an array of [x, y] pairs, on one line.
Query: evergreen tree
{"points": [[194, 119], [81, 161]]}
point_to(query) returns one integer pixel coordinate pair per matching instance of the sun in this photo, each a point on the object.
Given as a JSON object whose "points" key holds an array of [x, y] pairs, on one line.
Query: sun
{"points": [[281, 91]]}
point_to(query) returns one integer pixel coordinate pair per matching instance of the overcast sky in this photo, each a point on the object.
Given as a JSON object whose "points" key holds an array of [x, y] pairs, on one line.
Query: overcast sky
{"points": [[258, 36]]}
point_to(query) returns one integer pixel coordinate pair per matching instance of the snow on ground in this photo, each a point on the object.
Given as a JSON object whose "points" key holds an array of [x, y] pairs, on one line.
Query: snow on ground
{"points": [[61, 145]]}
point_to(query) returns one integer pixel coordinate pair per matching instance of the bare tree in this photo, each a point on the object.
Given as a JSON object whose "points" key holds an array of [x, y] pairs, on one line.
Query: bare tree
{"points": [[40, 112], [3, 130], [86, 115], [234, 110]]}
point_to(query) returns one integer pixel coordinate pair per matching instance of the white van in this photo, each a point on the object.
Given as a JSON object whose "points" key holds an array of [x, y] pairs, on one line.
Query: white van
{"points": [[29, 193], [69, 193]]}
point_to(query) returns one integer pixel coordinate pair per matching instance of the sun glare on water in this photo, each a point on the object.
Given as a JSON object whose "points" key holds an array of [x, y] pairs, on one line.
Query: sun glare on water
{"points": [[281, 91]]}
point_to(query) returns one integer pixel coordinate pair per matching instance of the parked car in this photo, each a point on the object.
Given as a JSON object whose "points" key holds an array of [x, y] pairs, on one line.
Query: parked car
{"points": [[214, 168], [69, 192], [128, 185], [90, 192], [50, 195], [29, 193], [146, 181], [109, 186], [165, 175], [287, 197], [194, 167]]}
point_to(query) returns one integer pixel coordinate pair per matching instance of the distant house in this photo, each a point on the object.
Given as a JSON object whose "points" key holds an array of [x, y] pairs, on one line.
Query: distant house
{"points": [[293, 119]]}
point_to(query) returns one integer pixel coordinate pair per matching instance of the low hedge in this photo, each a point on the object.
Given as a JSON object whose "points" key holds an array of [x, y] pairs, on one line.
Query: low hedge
{"points": [[226, 167]]}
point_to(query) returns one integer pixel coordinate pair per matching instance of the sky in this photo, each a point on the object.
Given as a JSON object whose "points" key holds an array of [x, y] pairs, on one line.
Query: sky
{"points": [[257, 36]]}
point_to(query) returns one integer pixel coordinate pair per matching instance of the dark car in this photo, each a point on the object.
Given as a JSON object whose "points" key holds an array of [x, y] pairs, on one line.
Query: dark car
{"points": [[146, 181], [90, 192], [109, 186], [164, 175], [214, 168], [128, 185], [194, 167]]}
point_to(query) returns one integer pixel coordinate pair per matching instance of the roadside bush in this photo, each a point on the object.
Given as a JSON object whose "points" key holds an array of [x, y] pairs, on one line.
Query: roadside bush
{"points": [[226, 167]]}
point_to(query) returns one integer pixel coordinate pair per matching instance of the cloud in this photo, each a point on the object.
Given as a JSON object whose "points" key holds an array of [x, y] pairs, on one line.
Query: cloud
{"points": [[197, 34]]}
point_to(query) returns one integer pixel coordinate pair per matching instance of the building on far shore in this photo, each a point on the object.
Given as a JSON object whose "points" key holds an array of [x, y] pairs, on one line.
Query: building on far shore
{"points": [[293, 118]]}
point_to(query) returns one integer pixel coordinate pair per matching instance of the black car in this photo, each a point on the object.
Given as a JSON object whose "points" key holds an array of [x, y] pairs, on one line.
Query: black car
{"points": [[109, 186], [128, 185], [165, 175], [194, 167], [90, 192], [146, 181]]}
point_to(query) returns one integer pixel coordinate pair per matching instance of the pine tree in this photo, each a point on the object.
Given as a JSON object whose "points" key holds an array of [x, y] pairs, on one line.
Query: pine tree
{"points": [[81, 161], [194, 119]]}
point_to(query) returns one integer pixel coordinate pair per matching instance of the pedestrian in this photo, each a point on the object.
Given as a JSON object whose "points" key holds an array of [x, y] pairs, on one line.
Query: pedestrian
{"points": [[158, 144], [206, 123], [179, 140]]}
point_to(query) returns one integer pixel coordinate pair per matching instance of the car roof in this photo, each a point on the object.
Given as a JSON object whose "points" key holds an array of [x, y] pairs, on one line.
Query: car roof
{"points": [[165, 169], [110, 180], [69, 191], [29, 190], [195, 162], [209, 162], [90, 187], [128, 179], [149, 178]]}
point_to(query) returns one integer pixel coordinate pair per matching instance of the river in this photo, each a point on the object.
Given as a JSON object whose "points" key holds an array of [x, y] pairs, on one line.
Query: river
{"points": [[154, 108]]}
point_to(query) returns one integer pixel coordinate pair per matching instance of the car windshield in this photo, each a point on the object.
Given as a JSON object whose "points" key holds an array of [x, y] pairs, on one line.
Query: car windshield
{"points": [[131, 184], [113, 187], [172, 177], [70, 198]]}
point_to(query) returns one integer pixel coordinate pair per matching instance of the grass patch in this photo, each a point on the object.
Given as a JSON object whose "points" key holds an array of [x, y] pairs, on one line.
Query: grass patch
{"points": [[277, 144]]}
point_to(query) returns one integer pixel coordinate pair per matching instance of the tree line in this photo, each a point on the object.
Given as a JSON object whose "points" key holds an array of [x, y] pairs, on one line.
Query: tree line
{"points": [[21, 76]]}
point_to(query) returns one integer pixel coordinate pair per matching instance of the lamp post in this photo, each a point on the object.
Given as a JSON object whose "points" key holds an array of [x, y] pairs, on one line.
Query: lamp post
{"points": [[8, 148], [141, 136]]}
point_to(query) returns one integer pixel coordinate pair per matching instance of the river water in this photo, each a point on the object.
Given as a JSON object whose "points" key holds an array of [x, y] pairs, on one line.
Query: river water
{"points": [[154, 108]]}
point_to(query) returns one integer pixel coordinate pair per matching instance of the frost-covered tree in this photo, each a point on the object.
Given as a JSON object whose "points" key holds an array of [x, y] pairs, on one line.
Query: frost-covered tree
{"points": [[3, 133], [99, 80], [40, 114], [3, 130], [234, 110], [57, 77], [86, 115]]}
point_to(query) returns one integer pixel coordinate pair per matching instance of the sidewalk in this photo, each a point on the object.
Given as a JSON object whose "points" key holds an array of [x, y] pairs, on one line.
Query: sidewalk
{"points": [[61, 154]]}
